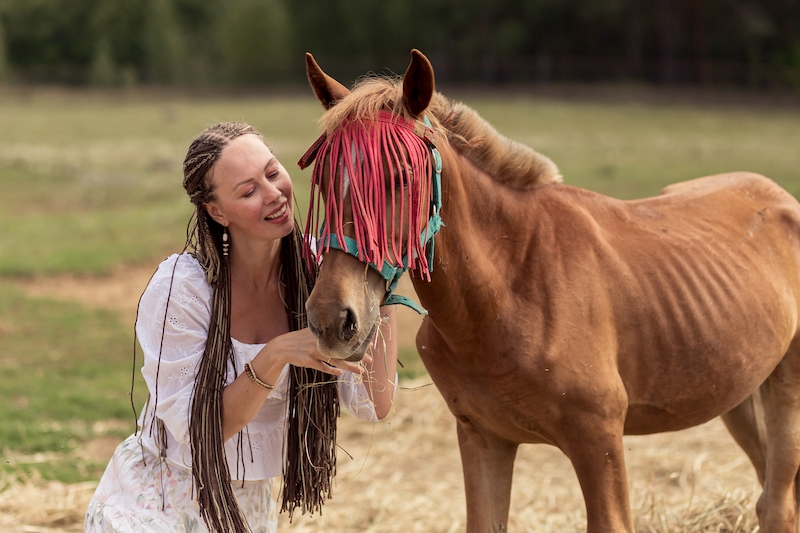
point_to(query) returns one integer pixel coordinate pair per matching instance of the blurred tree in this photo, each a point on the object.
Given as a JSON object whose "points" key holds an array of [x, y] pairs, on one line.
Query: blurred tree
{"points": [[47, 39], [751, 42], [5, 71], [346, 36], [254, 40], [103, 69], [164, 43], [118, 32], [199, 21]]}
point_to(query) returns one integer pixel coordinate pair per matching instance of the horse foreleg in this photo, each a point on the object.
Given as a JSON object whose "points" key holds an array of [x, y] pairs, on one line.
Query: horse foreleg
{"points": [[597, 454], [780, 394], [488, 464]]}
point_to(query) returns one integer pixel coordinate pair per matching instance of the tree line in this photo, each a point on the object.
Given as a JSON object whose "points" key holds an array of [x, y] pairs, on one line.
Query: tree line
{"points": [[259, 42]]}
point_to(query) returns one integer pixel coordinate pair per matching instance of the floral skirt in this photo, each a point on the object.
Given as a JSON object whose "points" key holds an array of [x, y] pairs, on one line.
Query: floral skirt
{"points": [[138, 493]]}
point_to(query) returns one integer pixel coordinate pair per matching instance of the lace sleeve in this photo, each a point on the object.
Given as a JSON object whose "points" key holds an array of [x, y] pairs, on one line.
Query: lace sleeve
{"points": [[177, 303], [354, 396]]}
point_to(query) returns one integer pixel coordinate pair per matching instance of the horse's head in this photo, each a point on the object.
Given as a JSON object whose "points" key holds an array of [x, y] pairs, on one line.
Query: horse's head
{"points": [[374, 200]]}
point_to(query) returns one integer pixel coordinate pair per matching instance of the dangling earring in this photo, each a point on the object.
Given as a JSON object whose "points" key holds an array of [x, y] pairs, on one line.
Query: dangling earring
{"points": [[225, 241]]}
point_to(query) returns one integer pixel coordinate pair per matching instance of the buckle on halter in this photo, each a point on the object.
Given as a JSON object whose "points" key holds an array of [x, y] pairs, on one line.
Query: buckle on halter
{"points": [[311, 153], [426, 133]]}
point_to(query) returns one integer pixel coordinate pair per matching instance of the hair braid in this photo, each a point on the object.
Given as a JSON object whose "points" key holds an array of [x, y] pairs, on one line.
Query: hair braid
{"points": [[310, 461]]}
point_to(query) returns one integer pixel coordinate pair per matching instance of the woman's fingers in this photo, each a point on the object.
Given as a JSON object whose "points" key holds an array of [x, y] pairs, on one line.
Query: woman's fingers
{"points": [[344, 365], [301, 348], [328, 369]]}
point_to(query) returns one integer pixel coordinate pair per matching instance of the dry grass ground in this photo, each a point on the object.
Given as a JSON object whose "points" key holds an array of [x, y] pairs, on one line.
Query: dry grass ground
{"points": [[404, 476], [405, 473]]}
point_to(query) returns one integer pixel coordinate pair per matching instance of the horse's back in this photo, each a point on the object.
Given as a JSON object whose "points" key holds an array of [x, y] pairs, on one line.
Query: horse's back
{"points": [[721, 183]]}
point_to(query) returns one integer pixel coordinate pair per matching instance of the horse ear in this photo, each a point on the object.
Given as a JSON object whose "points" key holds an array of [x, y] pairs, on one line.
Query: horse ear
{"points": [[328, 90], [418, 83]]}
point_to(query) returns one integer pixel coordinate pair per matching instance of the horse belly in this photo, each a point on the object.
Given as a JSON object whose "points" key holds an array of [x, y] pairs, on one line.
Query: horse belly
{"points": [[694, 404], [693, 366]]}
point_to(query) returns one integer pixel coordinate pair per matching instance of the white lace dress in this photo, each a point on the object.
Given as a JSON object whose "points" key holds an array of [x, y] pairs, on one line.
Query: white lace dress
{"points": [[140, 492]]}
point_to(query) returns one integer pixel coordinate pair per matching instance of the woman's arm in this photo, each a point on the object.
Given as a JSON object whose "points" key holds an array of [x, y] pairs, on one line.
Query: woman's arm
{"points": [[381, 375], [242, 398], [172, 329]]}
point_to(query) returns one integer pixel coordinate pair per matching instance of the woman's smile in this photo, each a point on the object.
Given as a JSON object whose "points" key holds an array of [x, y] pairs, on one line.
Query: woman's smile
{"points": [[279, 215]]}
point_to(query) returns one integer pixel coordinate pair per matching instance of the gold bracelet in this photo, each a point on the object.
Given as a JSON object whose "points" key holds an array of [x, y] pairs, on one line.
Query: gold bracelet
{"points": [[252, 374]]}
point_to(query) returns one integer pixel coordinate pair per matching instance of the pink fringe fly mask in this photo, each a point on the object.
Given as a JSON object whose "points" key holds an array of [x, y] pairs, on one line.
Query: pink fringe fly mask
{"points": [[390, 172]]}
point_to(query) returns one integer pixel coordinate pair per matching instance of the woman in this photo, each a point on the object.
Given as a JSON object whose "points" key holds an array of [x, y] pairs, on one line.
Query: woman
{"points": [[225, 349]]}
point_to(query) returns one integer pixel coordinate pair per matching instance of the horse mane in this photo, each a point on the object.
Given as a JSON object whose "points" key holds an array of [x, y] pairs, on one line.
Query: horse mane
{"points": [[507, 161]]}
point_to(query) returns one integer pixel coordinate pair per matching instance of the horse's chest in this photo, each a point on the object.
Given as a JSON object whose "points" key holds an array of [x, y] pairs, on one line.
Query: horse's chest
{"points": [[495, 391]]}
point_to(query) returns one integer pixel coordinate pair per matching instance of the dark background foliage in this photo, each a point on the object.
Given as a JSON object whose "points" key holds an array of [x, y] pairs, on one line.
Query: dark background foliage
{"points": [[258, 42]]}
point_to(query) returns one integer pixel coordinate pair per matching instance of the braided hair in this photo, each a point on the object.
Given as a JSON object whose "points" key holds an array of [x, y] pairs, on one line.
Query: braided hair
{"points": [[313, 406]]}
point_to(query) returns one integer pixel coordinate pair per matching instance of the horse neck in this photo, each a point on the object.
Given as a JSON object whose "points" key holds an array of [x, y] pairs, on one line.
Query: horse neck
{"points": [[465, 267]]}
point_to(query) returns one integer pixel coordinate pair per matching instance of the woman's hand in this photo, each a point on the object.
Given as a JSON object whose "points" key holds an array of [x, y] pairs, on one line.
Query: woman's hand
{"points": [[243, 398], [299, 348]]}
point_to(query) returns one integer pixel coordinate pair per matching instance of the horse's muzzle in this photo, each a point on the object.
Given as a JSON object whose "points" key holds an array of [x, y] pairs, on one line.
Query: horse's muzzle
{"points": [[339, 333]]}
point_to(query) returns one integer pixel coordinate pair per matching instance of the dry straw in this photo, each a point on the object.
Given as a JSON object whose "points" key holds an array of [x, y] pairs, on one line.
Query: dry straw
{"points": [[405, 476]]}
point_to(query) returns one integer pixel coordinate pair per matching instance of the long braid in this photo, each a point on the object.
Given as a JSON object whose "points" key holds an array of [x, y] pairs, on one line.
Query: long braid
{"points": [[212, 479], [210, 471], [314, 406], [313, 398]]}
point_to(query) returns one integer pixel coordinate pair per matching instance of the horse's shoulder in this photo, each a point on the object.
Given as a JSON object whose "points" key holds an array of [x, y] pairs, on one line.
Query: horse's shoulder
{"points": [[561, 197], [580, 213]]}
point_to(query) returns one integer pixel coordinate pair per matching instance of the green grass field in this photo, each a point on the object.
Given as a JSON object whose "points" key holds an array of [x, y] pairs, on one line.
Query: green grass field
{"points": [[92, 181]]}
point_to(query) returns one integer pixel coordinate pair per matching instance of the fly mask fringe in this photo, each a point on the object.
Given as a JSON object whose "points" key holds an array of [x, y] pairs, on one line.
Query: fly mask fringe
{"points": [[385, 171]]}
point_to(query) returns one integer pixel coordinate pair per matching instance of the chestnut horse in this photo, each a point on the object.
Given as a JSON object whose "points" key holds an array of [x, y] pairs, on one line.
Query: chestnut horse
{"points": [[558, 315]]}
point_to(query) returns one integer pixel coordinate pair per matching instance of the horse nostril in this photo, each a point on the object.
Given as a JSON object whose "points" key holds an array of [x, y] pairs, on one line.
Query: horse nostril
{"points": [[314, 330], [348, 325]]}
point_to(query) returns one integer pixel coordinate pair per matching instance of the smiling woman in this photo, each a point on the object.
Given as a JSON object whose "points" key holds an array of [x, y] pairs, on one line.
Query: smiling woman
{"points": [[239, 392], [252, 193]]}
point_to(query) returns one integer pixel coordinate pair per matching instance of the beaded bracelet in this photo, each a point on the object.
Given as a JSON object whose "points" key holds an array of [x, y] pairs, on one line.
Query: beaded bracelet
{"points": [[252, 374]]}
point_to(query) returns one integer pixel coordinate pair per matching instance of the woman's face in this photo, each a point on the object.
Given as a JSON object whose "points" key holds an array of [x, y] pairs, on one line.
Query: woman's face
{"points": [[253, 192]]}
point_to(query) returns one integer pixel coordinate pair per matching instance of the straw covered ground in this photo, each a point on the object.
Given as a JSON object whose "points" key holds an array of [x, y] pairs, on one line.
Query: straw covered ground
{"points": [[404, 474]]}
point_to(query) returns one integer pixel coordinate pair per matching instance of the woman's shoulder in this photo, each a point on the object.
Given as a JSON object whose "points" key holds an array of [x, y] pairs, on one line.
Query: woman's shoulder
{"points": [[174, 311], [184, 265], [178, 273]]}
